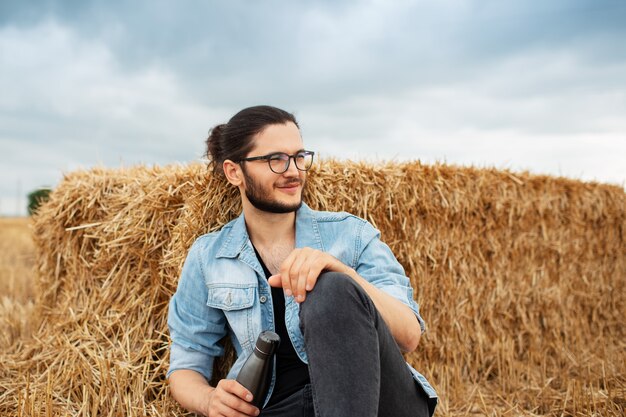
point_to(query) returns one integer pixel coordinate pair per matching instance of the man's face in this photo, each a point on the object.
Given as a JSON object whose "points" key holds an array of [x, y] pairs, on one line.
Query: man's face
{"points": [[266, 190]]}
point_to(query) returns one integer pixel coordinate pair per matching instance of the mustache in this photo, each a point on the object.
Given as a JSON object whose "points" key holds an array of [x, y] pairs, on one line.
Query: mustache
{"points": [[290, 183]]}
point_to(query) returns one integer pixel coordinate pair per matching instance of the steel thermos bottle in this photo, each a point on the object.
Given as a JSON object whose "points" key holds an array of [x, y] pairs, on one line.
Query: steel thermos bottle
{"points": [[256, 373]]}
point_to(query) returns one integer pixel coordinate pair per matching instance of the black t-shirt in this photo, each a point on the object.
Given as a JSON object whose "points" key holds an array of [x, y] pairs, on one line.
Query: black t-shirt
{"points": [[291, 373]]}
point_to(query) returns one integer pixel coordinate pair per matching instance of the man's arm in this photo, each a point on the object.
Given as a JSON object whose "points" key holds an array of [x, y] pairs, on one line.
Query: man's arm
{"points": [[195, 331], [300, 271], [192, 391]]}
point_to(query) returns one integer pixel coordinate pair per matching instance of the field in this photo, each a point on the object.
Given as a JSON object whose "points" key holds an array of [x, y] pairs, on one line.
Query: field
{"points": [[520, 278], [17, 279]]}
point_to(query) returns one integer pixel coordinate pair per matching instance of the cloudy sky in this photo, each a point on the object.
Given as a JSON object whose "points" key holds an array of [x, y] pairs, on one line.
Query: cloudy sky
{"points": [[519, 84]]}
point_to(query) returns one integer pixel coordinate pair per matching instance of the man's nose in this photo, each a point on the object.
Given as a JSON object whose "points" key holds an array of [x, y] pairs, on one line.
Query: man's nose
{"points": [[292, 170]]}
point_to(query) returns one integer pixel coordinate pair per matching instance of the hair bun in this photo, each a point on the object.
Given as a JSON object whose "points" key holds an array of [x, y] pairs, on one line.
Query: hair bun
{"points": [[214, 150]]}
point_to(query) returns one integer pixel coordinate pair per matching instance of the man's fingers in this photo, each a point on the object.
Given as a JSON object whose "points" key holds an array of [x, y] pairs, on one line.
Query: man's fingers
{"points": [[312, 277], [232, 398], [275, 280], [297, 273], [236, 406], [286, 284], [234, 387], [285, 268], [300, 292]]}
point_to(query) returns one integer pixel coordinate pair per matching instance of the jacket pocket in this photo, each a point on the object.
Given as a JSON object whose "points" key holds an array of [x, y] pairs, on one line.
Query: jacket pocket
{"points": [[229, 297], [237, 303]]}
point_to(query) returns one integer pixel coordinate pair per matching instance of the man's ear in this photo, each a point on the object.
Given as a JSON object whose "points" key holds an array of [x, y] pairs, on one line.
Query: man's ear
{"points": [[233, 172]]}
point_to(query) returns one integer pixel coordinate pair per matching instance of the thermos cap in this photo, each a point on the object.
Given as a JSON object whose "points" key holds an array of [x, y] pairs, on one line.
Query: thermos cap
{"points": [[267, 342]]}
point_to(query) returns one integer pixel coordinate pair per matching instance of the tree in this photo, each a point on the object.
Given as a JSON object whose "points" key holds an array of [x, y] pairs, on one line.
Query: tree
{"points": [[37, 198]]}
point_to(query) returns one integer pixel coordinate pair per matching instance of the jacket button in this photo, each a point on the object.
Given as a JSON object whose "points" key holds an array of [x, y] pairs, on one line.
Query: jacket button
{"points": [[263, 299]]}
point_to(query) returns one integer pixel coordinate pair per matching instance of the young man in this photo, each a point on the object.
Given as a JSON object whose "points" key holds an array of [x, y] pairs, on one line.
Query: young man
{"points": [[323, 281]]}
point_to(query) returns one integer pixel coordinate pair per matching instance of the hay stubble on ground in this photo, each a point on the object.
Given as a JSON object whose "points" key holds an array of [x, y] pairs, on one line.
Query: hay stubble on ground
{"points": [[17, 280]]}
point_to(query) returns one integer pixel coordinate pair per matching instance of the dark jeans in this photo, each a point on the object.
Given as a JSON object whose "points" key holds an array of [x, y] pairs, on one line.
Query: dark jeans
{"points": [[355, 365], [298, 404]]}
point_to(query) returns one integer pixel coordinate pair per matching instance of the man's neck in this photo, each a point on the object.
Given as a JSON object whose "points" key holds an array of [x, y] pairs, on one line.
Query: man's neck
{"points": [[266, 229]]}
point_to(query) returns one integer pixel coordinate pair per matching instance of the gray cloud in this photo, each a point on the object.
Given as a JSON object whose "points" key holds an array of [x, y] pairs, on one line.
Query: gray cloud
{"points": [[527, 85]]}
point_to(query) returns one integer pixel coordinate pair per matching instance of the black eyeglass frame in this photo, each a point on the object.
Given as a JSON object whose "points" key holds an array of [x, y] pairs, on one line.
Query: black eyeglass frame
{"points": [[269, 157]]}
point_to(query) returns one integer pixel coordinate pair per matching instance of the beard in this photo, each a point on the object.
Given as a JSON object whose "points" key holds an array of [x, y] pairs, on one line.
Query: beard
{"points": [[260, 198]]}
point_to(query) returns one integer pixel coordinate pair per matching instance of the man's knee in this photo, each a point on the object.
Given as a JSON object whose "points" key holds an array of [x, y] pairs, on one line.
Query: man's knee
{"points": [[334, 295], [330, 288], [332, 282]]}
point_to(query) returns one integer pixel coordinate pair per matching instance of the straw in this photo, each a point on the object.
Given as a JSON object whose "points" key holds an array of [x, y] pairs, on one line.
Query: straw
{"points": [[520, 278]]}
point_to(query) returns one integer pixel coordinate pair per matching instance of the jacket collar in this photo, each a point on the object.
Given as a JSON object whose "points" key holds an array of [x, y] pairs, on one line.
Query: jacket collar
{"points": [[237, 240], [307, 229]]}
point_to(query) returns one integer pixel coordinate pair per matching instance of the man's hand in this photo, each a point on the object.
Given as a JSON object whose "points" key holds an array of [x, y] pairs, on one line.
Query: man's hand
{"points": [[230, 399], [299, 272], [194, 393]]}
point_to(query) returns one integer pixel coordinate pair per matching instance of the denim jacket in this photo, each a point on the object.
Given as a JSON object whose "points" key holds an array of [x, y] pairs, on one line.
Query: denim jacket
{"points": [[223, 289]]}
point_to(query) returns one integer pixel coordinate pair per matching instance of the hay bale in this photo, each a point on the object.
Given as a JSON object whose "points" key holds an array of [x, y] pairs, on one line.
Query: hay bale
{"points": [[519, 277]]}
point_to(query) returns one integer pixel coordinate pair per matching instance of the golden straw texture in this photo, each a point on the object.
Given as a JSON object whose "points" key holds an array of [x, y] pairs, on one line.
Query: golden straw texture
{"points": [[520, 278]]}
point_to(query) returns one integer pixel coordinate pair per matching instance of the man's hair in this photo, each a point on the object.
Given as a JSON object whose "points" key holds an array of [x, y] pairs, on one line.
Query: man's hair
{"points": [[233, 140]]}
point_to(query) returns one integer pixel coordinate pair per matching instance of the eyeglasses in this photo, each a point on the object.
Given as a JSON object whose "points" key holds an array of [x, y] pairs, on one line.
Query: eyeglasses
{"points": [[279, 161]]}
